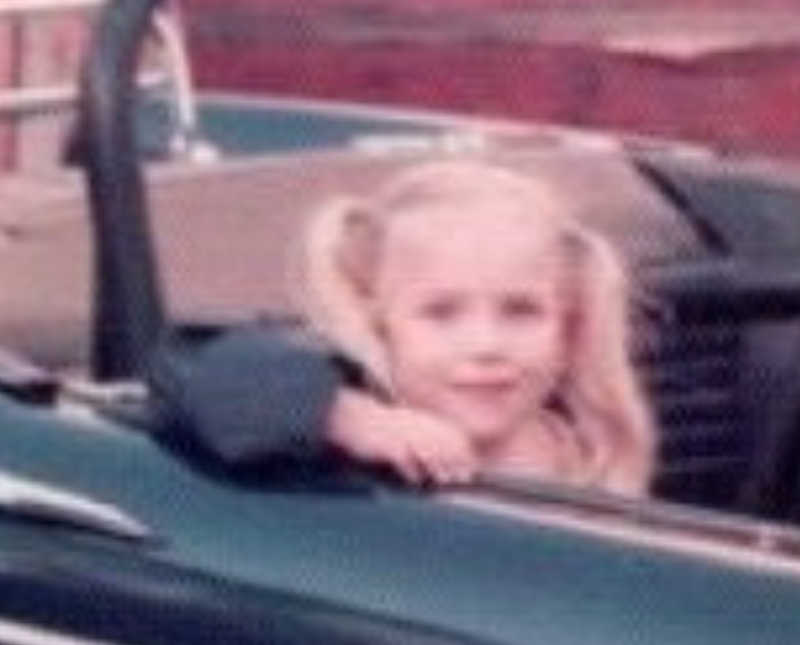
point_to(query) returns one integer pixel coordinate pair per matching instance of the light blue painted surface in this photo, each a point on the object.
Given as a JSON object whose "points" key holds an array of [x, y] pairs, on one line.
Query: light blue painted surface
{"points": [[241, 129], [405, 556]]}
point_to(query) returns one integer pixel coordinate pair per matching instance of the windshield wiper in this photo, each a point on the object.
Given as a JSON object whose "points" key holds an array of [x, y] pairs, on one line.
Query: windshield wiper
{"points": [[47, 503]]}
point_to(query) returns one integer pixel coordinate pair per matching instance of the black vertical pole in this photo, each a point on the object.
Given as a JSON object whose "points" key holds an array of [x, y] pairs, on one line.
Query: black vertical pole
{"points": [[128, 311], [17, 45]]}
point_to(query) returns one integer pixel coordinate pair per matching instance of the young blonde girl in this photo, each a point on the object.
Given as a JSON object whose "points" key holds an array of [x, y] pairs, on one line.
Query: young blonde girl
{"points": [[492, 328]]}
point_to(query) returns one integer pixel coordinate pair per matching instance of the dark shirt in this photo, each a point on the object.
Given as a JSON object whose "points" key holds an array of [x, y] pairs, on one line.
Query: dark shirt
{"points": [[252, 404], [249, 393]]}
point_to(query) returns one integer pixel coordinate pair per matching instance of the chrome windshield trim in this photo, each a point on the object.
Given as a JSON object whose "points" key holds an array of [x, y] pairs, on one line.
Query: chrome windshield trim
{"points": [[40, 501], [732, 540]]}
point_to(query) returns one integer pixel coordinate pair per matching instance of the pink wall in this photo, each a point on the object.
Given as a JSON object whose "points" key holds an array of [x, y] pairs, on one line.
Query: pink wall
{"points": [[429, 5], [741, 101], [6, 134]]}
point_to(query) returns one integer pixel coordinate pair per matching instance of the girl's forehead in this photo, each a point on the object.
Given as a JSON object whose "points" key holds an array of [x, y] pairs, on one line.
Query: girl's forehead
{"points": [[506, 230], [446, 248]]}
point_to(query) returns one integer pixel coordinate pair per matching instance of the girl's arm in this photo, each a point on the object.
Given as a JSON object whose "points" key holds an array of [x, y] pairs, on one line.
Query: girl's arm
{"points": [[249, 395], [256, 394], [419, 446]]}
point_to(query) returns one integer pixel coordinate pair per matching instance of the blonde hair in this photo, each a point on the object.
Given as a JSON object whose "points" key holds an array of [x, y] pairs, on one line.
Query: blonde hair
{"points": [[597, 389]]}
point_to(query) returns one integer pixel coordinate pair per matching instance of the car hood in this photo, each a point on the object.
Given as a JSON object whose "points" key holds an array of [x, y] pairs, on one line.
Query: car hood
{"points": [[403, 555]]}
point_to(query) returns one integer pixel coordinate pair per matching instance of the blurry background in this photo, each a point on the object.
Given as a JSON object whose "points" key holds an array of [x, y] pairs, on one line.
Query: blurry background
{"points": [[722, 73], [717, 71], [228, 198]]}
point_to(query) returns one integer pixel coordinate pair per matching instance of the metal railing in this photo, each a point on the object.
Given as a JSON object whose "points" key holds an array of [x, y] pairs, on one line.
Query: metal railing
{"points": [[167, 29], [10, 7]]}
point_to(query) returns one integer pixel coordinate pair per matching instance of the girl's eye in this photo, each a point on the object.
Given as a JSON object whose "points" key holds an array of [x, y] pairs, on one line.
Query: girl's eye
{"points": [[521, 307], [439, 310]]}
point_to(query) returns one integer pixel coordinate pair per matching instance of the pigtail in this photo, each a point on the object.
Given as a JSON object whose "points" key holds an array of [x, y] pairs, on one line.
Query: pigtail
{"points": [[600, 388], [338, 258]]}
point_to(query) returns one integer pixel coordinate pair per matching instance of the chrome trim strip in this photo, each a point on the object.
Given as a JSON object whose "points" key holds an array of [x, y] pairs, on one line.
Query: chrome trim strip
{"points": [[728, 540], [15, 633], [47, 501]]}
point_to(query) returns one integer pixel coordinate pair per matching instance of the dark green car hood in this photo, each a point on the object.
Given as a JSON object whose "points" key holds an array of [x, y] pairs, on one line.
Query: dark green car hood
{"points": [[402, 555]]}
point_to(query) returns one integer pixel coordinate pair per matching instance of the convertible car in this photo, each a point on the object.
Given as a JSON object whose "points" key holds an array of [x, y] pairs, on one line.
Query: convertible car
{"points": [[106, 536]]}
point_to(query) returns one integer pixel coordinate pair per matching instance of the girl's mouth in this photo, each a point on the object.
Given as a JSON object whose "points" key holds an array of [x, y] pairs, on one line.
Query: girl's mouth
{"points": [[484, 389]]}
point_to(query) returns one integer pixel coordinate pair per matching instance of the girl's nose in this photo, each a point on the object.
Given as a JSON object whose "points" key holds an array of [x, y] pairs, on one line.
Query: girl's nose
{"points": [[483, 338]]}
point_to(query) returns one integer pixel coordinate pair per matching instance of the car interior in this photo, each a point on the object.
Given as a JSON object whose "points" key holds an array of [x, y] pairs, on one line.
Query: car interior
{"points": [[715, 309]]}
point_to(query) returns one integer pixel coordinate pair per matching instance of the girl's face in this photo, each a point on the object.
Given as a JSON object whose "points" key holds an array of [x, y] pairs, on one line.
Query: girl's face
{"points": [[468, 308]]}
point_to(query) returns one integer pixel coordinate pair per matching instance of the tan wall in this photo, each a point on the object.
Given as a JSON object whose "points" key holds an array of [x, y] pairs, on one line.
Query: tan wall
{"points": [[37, 52], [6, 139]]}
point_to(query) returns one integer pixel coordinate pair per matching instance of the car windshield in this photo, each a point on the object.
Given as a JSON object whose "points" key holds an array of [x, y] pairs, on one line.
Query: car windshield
{"points": [[286, 106]]}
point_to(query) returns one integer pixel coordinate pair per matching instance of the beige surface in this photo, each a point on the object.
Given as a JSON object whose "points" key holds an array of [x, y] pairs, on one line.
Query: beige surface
{"points": [[221, 239], [223, 234]]}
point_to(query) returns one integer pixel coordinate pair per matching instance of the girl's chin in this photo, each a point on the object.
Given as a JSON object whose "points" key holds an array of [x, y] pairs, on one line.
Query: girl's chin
{"points": [[490, 416], [486, 430]]}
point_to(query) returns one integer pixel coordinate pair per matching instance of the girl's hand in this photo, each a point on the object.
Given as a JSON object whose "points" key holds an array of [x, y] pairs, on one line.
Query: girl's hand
{"points": [[418, 445]]}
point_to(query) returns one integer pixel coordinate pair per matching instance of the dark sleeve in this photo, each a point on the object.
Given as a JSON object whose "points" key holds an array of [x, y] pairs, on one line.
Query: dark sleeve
{"points": [[249, 395]]}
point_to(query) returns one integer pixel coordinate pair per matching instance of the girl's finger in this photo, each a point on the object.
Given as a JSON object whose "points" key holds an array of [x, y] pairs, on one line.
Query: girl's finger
{"points": [[407, 465], [458, 459], [440, 461]]}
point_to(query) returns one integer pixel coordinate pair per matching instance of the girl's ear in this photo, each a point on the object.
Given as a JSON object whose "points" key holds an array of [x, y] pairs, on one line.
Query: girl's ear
{"points": [[357, 252], [602, 389], [340, 258]]}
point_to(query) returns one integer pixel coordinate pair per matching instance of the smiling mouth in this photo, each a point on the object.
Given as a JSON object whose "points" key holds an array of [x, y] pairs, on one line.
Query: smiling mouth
{"points": [[484, 389]]}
